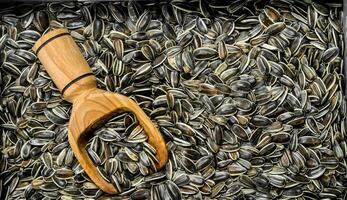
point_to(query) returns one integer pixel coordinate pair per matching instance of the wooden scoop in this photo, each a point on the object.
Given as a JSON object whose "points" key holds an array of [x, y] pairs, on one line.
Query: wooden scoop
{"points": [[64, 62]]}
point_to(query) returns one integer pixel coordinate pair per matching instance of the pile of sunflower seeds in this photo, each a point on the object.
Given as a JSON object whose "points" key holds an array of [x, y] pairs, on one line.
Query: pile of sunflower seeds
{"points": [[121, 153], [248, 95]]}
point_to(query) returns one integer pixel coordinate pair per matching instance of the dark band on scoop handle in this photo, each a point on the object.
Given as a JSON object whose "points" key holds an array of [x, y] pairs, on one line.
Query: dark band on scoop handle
{"points": [[74, 81], [49, 40]]}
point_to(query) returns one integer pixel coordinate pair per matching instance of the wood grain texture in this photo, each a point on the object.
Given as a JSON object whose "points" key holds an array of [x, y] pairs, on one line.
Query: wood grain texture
{"points": [[92, 109], [91, 106], [63, 61]]}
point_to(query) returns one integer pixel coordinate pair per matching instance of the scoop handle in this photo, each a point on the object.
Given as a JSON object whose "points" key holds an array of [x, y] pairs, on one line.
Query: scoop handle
{"points": [[63, 61]]}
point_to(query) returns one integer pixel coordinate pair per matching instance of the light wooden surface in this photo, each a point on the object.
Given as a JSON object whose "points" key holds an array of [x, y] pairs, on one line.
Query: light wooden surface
{"points": [[91, 106], [64, 62]]}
